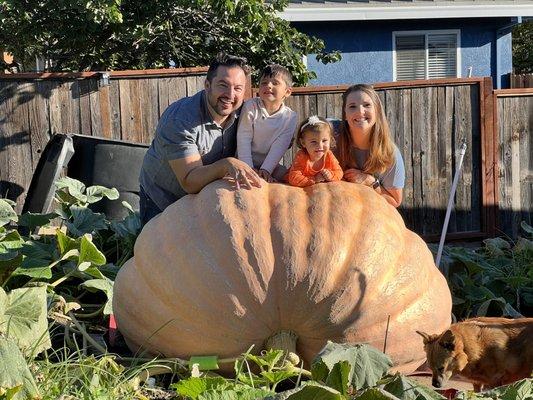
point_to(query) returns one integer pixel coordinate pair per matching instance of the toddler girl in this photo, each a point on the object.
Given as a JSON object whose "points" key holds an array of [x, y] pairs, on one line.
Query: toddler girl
{"points": [[314, 162]]}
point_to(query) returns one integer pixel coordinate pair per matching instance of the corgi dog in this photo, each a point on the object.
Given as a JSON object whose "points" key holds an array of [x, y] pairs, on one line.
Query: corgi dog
{"points": [[488, 352]]}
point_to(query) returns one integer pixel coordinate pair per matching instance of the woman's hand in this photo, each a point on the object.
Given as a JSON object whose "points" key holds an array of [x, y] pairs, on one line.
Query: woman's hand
{"points": [[357, 176]]}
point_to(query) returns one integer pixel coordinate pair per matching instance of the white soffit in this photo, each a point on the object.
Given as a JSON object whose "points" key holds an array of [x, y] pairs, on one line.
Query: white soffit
{"points": [[352, 12]]}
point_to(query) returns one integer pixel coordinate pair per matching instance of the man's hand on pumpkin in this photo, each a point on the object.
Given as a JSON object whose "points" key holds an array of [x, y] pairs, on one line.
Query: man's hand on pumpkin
{"points": [[241, 173]]}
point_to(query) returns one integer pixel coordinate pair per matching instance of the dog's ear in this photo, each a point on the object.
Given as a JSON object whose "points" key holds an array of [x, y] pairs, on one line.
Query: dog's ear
{"points": [[447, 340], [426, 337], [461, 361]]}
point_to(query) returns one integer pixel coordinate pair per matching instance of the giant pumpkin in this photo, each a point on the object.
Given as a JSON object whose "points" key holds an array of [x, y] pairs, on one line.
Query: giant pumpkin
{"points": [[223, 269]]}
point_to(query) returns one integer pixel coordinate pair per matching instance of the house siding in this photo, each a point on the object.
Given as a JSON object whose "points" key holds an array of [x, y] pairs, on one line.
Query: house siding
{"points": [[366, 48]]}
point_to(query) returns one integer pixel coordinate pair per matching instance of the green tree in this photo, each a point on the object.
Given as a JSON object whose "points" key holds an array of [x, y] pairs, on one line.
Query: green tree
{"points": [[523, 48], [83, 35]]}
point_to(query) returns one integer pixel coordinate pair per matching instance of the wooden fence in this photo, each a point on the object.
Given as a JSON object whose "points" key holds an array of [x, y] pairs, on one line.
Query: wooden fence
{"points": [[517, 81], [33, 107], [514, 124], [428, 118]]}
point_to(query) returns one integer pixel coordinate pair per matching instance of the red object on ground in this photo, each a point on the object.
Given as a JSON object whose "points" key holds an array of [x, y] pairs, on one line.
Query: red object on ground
{"points": [[112, 330]]}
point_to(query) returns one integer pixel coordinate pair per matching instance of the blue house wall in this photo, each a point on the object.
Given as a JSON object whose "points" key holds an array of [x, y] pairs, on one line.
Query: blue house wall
{"points": [[366, 48]]}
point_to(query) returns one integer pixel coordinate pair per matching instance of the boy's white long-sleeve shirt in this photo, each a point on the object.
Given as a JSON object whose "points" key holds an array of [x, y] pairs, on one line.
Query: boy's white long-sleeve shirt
{"points": [[262, 139]]}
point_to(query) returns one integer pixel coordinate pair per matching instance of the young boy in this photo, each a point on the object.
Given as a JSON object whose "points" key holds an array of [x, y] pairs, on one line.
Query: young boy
{"points": [[266, 125]]}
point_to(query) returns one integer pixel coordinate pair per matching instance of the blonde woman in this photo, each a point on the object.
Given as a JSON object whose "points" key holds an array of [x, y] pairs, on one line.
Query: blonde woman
{"points": [[365, 149]]}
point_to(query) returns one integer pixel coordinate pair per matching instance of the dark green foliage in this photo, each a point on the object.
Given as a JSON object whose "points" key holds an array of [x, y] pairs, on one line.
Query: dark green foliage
{"points": [[523, 48], [94, 35], [493, 280]]}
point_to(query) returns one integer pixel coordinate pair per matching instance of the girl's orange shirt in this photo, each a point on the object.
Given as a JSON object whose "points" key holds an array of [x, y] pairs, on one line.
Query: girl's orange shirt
{"points": [[301, 172]]}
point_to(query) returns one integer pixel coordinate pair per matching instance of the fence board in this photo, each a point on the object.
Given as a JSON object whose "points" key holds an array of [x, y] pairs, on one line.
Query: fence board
{"points": [[85, 87], [521, 80], [149, 107], [515, 131], [17, 144], [445, 150], [462, 132], [418, 144], [38, 119], [430, 168], [177, 88]]}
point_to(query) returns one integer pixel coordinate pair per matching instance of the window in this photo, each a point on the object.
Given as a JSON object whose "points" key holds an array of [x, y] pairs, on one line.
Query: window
{"points": [[426, 55]]}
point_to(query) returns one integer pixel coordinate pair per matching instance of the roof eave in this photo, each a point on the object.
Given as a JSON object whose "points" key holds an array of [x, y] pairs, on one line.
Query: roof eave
{"points": [[359, 13]]}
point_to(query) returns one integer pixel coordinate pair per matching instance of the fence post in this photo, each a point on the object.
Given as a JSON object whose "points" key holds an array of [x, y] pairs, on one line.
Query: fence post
{"points": [[489, 157]]}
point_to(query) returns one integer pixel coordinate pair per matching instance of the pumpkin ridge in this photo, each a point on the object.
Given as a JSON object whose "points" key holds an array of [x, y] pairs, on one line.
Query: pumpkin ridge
{"points": [[232, 278], [287, 271]]}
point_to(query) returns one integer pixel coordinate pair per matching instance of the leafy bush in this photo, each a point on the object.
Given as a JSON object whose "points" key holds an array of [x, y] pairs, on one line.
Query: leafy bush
{"points": [[493, 280]]}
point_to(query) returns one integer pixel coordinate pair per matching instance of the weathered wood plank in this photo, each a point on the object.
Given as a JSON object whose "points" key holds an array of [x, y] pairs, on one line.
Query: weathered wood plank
{"points": [[149, 108], [476, 179], [39, 119], [135, 111], [397, 103], [69, 103], [130, 111], [192, 85], [85, 86], [162, 93], [430, 167], [462, 128], [177, 89], [321, 105], [525, 116], [115, 109], [444, 153], [418, 146], [17, 134]]}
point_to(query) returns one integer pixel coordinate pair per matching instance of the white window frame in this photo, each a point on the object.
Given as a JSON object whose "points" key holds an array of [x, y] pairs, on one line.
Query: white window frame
{"points": [[457, 33]]}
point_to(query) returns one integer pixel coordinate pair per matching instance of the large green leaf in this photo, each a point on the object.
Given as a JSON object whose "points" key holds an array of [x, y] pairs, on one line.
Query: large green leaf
{"points": [[32, 220], [339, 377], [10, 240], [10, 255], [89, 253], [7, 214], [15, 376], [84, 220], [193, 387], [25, 318], [407, 389], [129, 226], [520, 390], [236, 393], [73, 187], [97, 193], [37, 259], [368, 365], [105, 285], [309, 391], [65, 243], [376, 394]]}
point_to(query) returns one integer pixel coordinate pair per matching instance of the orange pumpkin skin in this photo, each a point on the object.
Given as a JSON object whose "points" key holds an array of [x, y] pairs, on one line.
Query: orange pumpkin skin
{"points": [[221, 270]]}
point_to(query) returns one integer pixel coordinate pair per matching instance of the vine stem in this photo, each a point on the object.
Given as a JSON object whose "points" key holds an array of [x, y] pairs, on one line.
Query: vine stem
{"points": [[84, 333]]}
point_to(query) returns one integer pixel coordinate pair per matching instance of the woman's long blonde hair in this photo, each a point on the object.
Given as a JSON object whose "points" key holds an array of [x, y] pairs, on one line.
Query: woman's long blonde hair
{"points": [[381, 152]]}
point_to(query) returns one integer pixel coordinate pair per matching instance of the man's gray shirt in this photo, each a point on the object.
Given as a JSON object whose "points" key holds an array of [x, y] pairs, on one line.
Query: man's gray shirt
{"points": [[185, 128]]}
